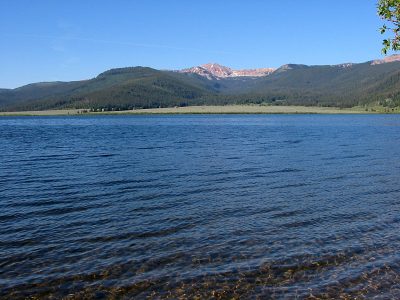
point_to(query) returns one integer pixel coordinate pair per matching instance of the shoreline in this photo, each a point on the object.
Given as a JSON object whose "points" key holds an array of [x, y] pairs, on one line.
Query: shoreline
{"points": [[227, 109]]}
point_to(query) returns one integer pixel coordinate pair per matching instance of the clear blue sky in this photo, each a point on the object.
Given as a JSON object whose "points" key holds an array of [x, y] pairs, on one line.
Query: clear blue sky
{"points": [[70, 40]]}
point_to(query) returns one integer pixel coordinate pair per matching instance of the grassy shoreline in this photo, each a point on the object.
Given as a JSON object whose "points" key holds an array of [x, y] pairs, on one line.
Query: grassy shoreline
{"points": [[228, 109]]}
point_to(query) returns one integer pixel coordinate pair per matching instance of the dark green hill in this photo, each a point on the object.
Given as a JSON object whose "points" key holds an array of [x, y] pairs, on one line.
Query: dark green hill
{"points": [[332, 85], [117, 88]]}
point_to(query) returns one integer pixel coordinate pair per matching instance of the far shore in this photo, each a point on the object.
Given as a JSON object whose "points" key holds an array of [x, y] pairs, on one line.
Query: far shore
{"points": [[226, 109]]}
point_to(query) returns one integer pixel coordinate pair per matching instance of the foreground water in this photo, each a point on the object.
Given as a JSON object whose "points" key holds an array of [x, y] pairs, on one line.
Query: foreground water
{"points": [[200, 206]]}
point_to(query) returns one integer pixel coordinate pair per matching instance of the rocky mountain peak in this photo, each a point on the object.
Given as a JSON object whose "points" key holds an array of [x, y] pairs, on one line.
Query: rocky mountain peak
{"points": [[387, 59], [217, 71]]}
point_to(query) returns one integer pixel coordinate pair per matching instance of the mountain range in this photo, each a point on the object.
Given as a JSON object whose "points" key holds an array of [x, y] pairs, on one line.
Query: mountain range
{"points": [[374, 82]]}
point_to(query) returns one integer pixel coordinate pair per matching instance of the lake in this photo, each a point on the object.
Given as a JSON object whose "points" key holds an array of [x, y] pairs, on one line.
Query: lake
{"points": [[223, 206]]}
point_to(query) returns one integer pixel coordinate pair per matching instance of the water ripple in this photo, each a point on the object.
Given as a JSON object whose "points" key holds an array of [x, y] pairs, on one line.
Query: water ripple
{"points": [[221, 207]]}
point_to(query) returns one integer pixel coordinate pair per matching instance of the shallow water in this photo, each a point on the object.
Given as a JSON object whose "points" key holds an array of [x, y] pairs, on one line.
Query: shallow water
{"points": [[221, 206]]}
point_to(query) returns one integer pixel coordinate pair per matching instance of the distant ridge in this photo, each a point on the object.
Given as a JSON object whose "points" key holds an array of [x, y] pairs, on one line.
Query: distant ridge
{"points": [[217, 71]]}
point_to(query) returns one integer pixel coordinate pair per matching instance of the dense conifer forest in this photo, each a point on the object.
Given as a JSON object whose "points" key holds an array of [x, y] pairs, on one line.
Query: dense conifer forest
{"points": [[140, 87]]}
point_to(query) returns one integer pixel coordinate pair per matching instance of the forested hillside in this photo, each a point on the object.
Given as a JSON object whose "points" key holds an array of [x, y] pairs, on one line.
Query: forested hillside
{"points": [[344, 85]]}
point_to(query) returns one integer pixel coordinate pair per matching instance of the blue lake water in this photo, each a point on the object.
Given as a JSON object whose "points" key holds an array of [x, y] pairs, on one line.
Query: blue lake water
{"points": [[221, 206]]}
